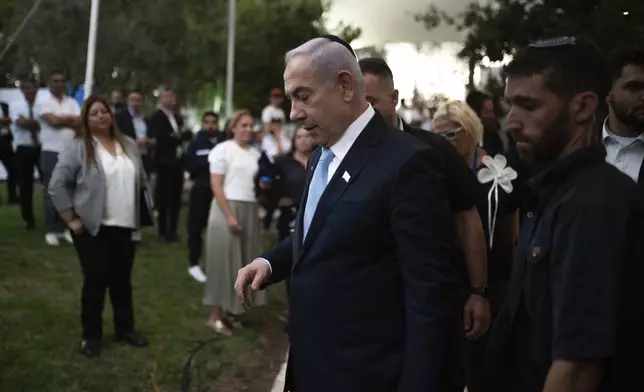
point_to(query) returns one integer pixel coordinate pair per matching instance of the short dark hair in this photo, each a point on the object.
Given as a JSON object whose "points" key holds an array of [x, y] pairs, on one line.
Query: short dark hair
{"points": [[28, 80], [569, 65], [632, 54], [475, 100], [208, 114], [136, 91], [376, 66], [57, 72]]}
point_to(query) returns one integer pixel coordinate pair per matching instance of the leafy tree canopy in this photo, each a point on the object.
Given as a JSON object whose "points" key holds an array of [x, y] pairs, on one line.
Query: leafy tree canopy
{"points": [[177, 43], [499, 27]]}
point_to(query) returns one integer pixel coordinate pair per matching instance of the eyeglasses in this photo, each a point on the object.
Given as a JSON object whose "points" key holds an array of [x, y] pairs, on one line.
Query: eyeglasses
{"points": [[450, 134]]}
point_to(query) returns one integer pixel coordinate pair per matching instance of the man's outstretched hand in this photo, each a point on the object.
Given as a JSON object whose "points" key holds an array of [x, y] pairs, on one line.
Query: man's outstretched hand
{"points": [[253, 275]]}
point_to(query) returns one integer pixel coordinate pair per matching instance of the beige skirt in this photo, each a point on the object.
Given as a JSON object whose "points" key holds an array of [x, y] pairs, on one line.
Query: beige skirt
{"points": [[227, 253]]}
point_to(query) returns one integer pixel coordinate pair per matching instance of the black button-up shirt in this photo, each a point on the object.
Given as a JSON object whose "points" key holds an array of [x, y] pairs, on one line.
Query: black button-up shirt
{"points": [[577, 234]]}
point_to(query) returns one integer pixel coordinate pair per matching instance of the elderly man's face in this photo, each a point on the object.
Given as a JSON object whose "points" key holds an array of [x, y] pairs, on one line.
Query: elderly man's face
{"points": [[316, 104]]}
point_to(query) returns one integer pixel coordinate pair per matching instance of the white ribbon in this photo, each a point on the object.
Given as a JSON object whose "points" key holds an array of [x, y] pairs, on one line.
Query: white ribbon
{"points": [[497, 170]]}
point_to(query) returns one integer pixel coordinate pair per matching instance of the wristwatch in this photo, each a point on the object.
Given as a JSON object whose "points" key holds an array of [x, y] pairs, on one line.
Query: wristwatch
{"points": [[482, 291]]}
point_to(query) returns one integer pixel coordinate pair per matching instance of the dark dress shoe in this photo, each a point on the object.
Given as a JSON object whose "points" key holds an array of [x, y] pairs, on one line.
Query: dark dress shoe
{"points": [[90, 348], [133, 339], [163, 240], [30, 226]]}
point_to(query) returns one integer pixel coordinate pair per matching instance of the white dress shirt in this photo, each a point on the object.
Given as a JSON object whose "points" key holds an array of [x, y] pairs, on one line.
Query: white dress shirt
{"points": [[21, 136], [140, 129], [52, 138], [342, 147], [120, 186], [625, 153], [171, 118]]}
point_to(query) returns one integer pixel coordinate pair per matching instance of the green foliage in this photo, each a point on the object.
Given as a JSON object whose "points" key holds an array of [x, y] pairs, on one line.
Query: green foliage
{"points": [[176, 43], [40, 327], [501, 26]]}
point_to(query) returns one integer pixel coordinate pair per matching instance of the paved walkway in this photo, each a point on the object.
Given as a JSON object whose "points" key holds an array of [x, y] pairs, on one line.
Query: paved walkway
{"points": [[278, 384]]}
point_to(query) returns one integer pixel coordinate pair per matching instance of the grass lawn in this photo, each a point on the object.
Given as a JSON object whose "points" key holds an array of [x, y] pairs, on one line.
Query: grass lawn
{"points": [[40, 324]]}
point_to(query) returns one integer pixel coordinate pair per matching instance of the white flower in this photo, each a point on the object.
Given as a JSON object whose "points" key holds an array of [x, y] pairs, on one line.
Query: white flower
{"points": [[497, 170]]}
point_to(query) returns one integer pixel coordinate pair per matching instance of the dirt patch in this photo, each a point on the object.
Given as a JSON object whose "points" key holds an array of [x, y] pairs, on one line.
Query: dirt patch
{"points": [[255, 370]]}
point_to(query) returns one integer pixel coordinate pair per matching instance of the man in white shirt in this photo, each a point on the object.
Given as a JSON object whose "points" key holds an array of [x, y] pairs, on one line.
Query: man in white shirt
{"points": [[274, 109], [273, 142], [59, 117], [26, 142], [623, 132]]}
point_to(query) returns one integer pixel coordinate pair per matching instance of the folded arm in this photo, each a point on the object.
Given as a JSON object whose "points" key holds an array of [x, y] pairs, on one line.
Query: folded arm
{"points": [[61, 121], [32, 125], [422, 225]]}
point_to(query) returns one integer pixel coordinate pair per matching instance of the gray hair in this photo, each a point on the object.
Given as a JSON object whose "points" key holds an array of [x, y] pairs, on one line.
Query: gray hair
{"points": [[328, 58]]}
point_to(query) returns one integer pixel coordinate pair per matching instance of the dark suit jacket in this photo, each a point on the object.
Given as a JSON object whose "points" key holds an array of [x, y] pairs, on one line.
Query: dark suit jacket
{"points": [[166, 141], [372, 286], [126, 124]]}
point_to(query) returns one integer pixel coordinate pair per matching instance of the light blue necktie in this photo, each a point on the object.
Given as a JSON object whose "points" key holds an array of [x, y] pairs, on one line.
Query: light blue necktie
{"points": [[316, 188]]}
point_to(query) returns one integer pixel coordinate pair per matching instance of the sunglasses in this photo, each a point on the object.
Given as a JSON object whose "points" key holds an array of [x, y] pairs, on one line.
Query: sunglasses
{"points": [[450, 134]]}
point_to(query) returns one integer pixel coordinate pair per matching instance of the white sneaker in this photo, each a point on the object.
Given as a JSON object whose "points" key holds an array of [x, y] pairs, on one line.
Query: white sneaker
{"points": [[67, 236], [51, 239], [197, 273]]}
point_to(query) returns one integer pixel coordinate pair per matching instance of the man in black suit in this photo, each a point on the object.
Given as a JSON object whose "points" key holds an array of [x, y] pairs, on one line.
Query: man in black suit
{"points": [[7, 155], [463, 189], [623, 131], [133, 123], [371, 261], [169, 134]]}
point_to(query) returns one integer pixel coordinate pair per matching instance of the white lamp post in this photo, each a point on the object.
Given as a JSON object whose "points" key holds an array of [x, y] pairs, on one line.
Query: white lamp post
{"points": [[230, 63], [91, 48]]}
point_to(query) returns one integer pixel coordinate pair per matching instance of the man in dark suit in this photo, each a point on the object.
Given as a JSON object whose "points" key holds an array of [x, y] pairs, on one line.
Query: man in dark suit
{"points": [[133, 123], [371, 261], [7, 155], [463, 189], [169, 133]]}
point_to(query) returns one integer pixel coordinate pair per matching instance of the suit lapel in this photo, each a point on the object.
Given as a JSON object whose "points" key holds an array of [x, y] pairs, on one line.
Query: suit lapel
{"points": [[352, 164]]}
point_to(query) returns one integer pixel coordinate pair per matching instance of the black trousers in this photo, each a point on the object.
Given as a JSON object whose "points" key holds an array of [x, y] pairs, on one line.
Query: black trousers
{"points": [[475, 351], [27, 158], [147, 164], [7, 157], [167, 195], [106, 260], [198, 213]]}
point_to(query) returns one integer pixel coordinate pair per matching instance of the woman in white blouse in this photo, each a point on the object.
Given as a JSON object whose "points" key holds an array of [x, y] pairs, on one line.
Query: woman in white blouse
{"points": [[96, 187], [234, 230]]}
